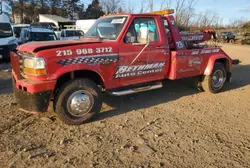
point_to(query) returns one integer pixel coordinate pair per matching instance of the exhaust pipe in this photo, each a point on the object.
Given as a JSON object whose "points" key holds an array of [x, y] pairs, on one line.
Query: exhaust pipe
{"points": [[136, 90]]}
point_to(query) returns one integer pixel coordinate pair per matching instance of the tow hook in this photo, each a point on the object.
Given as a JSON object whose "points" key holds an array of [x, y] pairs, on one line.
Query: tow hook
{"points": [[236, 62]]}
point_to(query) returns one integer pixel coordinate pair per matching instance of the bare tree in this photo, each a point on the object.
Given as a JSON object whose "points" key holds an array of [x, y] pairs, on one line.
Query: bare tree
{"points": [[165, 4], [207, 19], [20, 7], [151, 4], [186, 16], [111, 6], [142, 6], [130, 7], [184, 10], [237, 23]]}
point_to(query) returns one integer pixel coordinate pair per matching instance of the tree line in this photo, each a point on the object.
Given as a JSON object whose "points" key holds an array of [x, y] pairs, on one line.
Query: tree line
{"points": [[29, 10], [185, 14]]}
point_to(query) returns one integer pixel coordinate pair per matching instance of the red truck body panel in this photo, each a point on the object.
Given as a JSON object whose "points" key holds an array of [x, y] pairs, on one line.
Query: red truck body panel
{"points": [[189, 63]]}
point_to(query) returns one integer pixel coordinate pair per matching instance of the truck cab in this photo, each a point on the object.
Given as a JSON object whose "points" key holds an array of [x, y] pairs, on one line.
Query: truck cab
{"points": [[17, 28], [29, 34], [120, 54], [7, 39], [227, 37], [71, 34]]}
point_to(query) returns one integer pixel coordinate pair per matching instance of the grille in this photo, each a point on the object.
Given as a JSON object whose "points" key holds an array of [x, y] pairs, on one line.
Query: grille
{"points": [[21, 64]]}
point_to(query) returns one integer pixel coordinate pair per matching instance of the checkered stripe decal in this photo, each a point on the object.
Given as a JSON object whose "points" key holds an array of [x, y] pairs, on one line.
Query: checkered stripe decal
{"points": [[100, 59]]}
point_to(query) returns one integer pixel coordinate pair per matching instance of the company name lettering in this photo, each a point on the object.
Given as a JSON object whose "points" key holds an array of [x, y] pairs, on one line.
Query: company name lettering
{"points": [[191, 38], [136, 70]]}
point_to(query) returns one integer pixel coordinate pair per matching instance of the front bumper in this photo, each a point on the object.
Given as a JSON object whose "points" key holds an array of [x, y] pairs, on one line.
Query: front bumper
{"points": [[34, 103], [32, 96]]}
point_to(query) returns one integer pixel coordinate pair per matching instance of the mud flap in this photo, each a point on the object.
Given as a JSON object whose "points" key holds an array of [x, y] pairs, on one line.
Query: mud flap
{"points": [[236, 62]]}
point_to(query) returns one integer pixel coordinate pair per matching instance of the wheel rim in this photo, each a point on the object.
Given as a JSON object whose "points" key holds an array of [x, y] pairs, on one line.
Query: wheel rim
{"points": [[80, 103], [218, 78]]}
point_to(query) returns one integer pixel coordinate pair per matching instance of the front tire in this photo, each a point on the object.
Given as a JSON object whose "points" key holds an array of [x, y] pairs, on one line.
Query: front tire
{"points": [[78, 101], [215, 82]]}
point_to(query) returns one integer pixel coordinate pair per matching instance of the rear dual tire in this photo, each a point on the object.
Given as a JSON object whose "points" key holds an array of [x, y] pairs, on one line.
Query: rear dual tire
{"points": [[215, 82]]}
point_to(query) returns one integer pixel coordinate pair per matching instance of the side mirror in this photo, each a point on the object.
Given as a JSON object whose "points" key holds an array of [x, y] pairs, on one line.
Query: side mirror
{"points": [[17, 35]]}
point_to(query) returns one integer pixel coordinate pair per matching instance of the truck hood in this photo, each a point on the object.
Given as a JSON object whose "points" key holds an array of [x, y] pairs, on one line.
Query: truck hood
{"points": [[38, 46], [6, 40]]}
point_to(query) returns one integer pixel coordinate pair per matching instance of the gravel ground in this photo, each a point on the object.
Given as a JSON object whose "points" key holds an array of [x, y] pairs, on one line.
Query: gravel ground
{"points": [[175, 126]]}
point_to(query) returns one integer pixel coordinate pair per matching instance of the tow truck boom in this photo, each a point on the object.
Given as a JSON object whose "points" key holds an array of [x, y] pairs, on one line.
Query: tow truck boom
{"points": [[195, 38]]}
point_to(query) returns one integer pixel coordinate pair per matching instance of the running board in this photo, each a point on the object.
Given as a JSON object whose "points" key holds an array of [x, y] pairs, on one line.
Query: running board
{"points": [[136, 90]]}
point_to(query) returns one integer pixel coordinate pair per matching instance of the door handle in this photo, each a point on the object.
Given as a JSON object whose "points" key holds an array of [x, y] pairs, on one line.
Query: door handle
{"points": [[121, 58]]}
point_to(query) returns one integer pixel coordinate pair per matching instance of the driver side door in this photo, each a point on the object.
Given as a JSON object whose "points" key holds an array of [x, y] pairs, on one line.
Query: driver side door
{"points": [[140, 57]]}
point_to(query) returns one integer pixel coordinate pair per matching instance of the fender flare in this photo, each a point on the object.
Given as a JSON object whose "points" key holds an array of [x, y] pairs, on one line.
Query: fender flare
{"points": [[209, 68], [72, 68]]}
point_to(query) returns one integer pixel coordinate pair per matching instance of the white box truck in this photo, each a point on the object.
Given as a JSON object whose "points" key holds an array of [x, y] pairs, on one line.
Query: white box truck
{"points": [[85, 25]]}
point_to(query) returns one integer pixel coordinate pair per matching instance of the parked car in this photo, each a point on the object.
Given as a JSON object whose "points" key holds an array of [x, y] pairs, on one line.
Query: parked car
{"points": [[71, 34], [37, 34], [246, 39], [17, 28], [227, 37], [85, 25], [48, 25]]}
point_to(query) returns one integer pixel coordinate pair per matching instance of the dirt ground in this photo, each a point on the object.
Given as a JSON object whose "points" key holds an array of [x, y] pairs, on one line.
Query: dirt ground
{"points": [[175, 126]]}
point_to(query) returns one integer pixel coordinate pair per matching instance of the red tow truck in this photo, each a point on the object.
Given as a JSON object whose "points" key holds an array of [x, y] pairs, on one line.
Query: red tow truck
{"points": [[121, 54]]}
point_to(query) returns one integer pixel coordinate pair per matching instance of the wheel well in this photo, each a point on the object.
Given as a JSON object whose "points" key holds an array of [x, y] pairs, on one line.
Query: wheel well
{"points": [[225, 62], [227, 65], [95, 77]]}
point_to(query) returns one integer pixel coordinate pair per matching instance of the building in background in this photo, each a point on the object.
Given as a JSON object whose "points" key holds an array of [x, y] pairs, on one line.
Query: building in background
{"points": [[58, 21]]}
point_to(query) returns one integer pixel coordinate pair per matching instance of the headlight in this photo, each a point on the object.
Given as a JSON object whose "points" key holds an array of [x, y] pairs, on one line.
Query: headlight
{"points": [[34, 66]]}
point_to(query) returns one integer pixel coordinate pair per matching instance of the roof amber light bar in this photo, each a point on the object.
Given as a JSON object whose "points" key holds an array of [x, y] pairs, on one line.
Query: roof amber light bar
{"points": [[163, 12]]}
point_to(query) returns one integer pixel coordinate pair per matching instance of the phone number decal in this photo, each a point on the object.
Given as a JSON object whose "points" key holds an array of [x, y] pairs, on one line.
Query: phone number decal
{"points": [[84, 51]]}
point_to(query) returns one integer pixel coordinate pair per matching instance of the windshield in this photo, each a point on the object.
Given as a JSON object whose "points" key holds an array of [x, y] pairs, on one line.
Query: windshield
{"points": [[107, 28], [42, 36], [18, 29], [72, 33], [5, 30]]}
